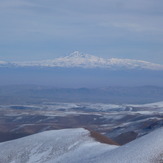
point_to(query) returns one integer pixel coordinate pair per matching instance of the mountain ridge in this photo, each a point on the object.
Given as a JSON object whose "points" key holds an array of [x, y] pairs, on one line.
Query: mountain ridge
{"points": [[77, 59], [76, 145]]}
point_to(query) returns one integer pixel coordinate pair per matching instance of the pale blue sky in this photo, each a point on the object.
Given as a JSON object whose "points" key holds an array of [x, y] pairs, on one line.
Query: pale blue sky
{"points": [[46, 29]]}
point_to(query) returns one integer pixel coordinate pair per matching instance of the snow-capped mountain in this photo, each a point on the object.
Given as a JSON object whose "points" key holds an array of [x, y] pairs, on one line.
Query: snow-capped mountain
{"points": [[77, 59], [78, 146]]}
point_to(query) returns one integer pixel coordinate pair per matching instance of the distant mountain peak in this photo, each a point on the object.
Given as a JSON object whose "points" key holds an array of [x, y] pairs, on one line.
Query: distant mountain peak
{"points": [[78, 59]]}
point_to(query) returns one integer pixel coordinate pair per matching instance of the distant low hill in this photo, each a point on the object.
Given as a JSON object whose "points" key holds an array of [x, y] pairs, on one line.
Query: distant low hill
{"points": [[119, 95]]}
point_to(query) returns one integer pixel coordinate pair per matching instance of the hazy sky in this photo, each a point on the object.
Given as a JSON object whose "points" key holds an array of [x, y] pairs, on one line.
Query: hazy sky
{"points": [[45, 29]]}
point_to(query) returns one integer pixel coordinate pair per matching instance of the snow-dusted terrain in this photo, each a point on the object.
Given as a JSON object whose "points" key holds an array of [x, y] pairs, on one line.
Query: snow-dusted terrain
{"points": [[122, 123], [77, 146], [77, 59], [68, 145], [147, 149], [151, 105]]}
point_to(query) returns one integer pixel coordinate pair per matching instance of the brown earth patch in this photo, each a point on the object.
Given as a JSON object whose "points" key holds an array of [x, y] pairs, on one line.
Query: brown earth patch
{"points": [[102, 139]]}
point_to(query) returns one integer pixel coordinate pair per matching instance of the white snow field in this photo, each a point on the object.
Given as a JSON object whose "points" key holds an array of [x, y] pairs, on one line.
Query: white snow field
{"points": [[77, 146]]}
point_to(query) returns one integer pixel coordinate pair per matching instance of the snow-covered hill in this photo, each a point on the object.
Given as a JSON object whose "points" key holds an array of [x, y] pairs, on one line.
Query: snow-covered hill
{"points": [[68, 145], [77, 59], [77, 146], [147, 149]]}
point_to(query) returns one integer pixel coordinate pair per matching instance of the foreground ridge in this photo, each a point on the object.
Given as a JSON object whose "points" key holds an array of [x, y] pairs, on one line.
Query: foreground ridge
{"points": [[76, 145]]}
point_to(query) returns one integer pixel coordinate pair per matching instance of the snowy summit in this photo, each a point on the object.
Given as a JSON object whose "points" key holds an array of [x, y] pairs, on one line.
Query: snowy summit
{"points": [[77, 59]]}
